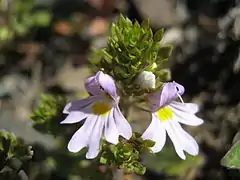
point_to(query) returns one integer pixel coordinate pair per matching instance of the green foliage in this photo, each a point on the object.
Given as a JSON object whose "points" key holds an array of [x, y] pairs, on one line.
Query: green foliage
{"points": [[13, 155], [163, 75], [126, 154], [48, 115], [21, 18], [168, 162], [232, 158], [131, 49]]}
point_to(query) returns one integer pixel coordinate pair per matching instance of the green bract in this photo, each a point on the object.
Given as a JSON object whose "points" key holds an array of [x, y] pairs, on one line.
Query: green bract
{"points": [[48, 115], [131, 49], [13, 155], [126, 154]]}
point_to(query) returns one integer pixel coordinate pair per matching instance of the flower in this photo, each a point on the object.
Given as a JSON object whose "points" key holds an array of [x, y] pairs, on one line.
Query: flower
{"points": [[101, 111], [146, 80], [166, 116]]}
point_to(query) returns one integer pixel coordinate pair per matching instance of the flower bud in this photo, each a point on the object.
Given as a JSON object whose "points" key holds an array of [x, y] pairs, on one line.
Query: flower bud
{"points": [[146, 80]]}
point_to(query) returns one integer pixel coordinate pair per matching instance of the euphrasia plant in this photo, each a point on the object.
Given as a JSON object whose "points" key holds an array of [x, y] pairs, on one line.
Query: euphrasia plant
{"points": [[129, 72], [13, 156]]}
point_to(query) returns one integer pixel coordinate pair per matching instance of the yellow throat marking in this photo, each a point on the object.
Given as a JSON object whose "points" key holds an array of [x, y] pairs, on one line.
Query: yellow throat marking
{"points": [[165, 114], [101, 108]]}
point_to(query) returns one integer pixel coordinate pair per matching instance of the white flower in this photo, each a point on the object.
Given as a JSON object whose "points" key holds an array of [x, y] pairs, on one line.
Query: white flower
{"points": [[166, 116], [101, 113], [146, 80]]}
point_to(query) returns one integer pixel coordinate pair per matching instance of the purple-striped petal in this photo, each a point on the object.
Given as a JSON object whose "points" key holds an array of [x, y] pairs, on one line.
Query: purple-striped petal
{"points": [[74, 117], [188, 142], [182, 141], [124, 128], [92, 85], [185, 107], [94, 140], [100, 84], [108, 85], [156, 133], [154, 100], [81, 137], [175, 140], [80, 104], [110, 130], [170, 91], [185, 115]]}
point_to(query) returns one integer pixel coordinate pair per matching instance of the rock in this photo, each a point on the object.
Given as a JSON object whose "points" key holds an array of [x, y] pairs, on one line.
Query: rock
{"points": [[71, 78], [162, 12]]}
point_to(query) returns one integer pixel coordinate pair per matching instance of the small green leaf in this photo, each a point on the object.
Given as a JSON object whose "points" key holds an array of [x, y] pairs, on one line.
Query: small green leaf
{"points": [[158, 35], [136, 25], [232, 158], [127, 150], [103, 160], [145, 24], [164, 52], [148, 143], [139, 169], [113, 149], [107, 57], [163, 75], [120, 72]]}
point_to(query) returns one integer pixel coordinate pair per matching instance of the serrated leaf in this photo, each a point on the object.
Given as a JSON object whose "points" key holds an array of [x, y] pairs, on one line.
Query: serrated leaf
{"points": [[145, 24], [121, 72], [136, 25], [124, 22], [107, 57], [232, 158], [158, 35], [164, 52]]}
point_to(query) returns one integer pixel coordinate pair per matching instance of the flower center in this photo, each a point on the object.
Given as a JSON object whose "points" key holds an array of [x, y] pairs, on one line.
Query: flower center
{"points": [[101, 108], [165, 114]]}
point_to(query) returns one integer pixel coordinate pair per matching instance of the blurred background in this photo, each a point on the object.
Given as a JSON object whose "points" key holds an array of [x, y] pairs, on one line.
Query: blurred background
{"points": [[44, 48]]}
